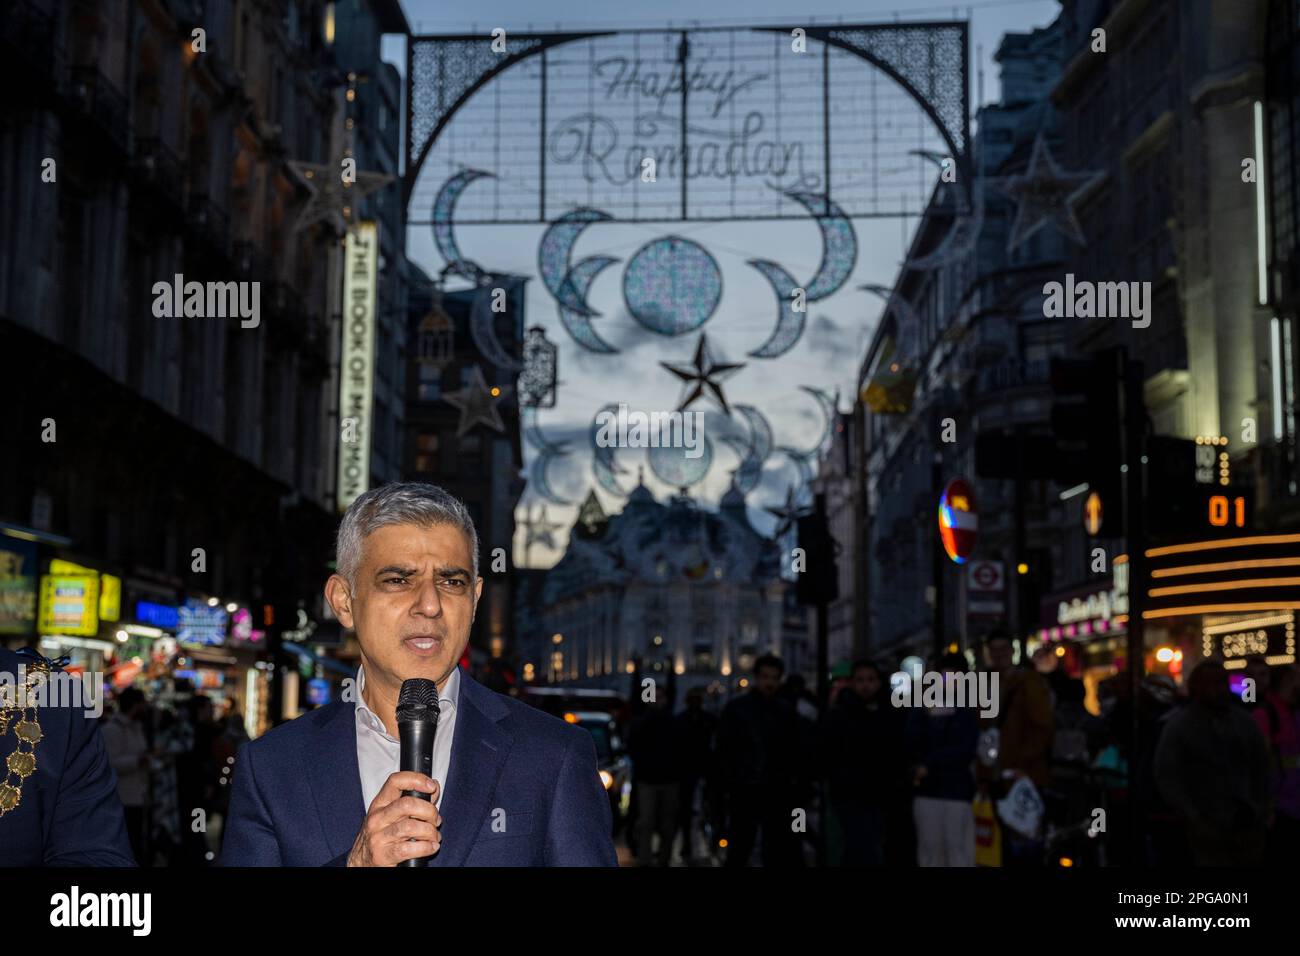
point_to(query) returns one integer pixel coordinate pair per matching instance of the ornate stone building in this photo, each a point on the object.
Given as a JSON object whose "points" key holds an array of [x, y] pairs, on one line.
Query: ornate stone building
{"points": [[670, 586]]}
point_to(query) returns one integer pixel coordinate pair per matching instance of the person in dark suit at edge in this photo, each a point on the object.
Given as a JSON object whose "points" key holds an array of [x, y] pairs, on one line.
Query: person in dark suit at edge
{"points": [[58, 798]]}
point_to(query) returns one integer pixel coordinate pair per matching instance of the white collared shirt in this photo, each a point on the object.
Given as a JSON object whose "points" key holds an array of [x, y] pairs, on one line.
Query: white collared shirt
{"points": [[380, 754]]}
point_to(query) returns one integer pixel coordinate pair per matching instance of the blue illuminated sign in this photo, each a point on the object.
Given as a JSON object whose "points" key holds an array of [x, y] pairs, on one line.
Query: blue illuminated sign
{"points": [[157, 615], [201, 624]]}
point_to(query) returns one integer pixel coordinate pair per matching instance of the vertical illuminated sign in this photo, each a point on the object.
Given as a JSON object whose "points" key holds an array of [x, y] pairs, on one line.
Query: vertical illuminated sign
{"points": [[357, 368]]}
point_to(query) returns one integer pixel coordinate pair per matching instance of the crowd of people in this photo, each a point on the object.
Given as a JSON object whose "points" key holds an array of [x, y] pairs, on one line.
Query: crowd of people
{"points": [[776, 779], [1041, 780], [172, 765]]}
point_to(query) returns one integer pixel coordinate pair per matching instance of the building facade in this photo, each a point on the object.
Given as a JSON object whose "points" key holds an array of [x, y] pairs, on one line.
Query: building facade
{"points": [[179, 442], [660, 589], [1168, 116], [1279, 183], [961, 353]]}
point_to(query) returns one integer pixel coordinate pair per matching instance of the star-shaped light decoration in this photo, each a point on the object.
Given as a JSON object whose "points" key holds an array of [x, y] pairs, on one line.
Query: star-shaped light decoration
{"points": [[331, 198], [705, 374], [477, 402], [541, 531], [788, 514], [1045, 194]]}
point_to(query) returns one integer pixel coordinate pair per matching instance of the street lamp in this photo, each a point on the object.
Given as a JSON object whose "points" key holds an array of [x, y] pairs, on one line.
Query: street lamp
{"points": [[537, 380]]}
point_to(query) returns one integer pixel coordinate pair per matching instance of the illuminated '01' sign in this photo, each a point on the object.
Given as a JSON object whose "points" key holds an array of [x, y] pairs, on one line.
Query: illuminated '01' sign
{"points": [[1225, 511]]}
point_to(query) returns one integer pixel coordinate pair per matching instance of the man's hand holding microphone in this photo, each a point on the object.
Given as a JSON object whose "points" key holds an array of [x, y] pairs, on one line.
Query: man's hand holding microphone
{"points": [[401, 826]]}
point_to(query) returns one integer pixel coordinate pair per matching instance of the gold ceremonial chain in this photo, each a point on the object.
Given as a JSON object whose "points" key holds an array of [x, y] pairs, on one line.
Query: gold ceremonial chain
{"points": [[27, 728]]}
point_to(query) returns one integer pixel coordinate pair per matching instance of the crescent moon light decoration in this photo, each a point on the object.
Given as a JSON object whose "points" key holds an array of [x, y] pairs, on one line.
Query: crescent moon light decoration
{"points": [[789, 321], [756, 450], [555, 251], [578, 324], [829, 414], [603, 464], [605, 478], [839, 254], [444, 210], [532, 431], [839, 244], [481, 325], [547, 451], [940, 161], [539, 480], [801, 461], [959, 241]]}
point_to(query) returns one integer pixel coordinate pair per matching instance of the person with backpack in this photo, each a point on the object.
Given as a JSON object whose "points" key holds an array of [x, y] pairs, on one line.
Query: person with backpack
{"points": [[1278, 718]]}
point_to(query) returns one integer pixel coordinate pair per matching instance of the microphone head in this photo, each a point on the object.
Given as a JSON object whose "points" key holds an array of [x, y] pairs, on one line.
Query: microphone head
{"points": [[418, 700]]}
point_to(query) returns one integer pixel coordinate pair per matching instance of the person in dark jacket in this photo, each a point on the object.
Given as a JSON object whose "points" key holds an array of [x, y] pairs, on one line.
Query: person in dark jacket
{"points": [[941, 746], [1212, 766], [757, 746], [696, 728], [59, 804], [863, 753], [655, 746]]}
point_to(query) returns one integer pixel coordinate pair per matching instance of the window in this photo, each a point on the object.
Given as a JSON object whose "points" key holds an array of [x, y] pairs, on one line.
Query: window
{"points": [[426, 453], [430, 386], [471, 454]]}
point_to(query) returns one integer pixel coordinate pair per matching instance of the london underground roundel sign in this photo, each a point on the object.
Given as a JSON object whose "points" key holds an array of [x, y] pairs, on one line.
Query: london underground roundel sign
{"points": [[958, 520]]}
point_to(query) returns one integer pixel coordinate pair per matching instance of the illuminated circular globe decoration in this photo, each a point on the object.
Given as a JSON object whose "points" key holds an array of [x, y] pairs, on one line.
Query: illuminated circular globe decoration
{"points": [[672, 285], [672, 467], [958, 520]]}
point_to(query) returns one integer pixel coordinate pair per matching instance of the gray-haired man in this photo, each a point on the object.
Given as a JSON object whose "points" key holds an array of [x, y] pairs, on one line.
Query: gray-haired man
{"points": [[521, 787]]}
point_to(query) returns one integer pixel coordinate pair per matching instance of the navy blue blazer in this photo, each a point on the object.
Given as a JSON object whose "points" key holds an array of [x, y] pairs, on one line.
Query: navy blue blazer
{"points": [[296, 794], [69, 813]]}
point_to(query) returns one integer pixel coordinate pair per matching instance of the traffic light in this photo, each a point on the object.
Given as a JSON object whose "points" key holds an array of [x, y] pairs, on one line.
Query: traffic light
{"points": [[819, 583], [1087, 429], [1009, 454]]}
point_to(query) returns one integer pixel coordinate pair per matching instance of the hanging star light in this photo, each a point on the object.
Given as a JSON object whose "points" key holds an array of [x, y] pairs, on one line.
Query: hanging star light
{"points": [[705, 373], [331, 199], [1045, 194], [541, 531], [477, 402], [787, 515]]}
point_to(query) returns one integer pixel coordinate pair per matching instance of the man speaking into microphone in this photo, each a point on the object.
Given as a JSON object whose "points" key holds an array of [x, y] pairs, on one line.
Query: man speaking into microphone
{"points": [[510, 785]]}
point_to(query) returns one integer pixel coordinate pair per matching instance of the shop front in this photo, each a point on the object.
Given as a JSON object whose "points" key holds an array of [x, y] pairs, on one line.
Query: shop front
{"points": [[78, 613], [1087, 626], [1233, 599]]}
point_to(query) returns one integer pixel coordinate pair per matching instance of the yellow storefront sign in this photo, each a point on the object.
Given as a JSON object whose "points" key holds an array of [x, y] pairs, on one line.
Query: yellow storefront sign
{"points": [[110, 587], [69, 604]]}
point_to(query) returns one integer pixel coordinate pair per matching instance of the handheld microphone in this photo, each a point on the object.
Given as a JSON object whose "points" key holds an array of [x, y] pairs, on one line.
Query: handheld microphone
{"points": [[417, 723]]}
